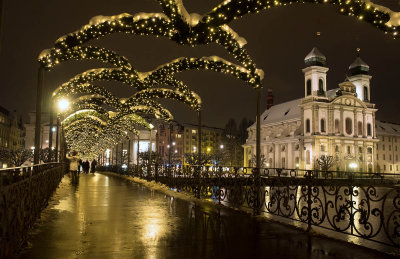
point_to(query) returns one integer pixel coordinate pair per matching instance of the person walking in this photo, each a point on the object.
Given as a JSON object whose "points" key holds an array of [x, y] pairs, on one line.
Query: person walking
{"points": [[93, 166], [86, 166], [73, 165], [80, 163]]}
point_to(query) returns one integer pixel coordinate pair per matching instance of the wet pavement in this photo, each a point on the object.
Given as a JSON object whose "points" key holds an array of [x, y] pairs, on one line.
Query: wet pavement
{"points": [[107, 217]]}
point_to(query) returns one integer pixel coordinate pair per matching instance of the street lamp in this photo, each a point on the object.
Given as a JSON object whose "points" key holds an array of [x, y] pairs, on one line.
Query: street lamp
{"points": [[63, 105], [353, 166], [151, 126], [221, 146]]}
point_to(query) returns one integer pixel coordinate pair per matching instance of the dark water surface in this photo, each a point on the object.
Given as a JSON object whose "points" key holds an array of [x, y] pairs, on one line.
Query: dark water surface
{"points": [[108, 217]]}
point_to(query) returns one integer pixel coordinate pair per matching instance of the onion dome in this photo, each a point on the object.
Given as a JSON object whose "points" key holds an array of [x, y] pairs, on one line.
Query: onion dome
{"points": [[315, 58], [358, 67]]}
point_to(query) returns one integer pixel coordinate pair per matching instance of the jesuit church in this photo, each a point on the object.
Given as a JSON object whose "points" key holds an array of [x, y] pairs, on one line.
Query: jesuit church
{"points": [[338, 122]]}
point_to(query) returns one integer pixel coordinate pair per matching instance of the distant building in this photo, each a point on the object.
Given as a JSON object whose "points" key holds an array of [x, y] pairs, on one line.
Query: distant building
{"points": [[388, 148], [44, 131], [184, 140], [338, 122], [12, 132]]}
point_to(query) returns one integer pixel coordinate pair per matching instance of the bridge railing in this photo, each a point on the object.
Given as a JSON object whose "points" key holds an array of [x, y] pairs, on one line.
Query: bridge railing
{"points": [[14, 174], [24, 193], [360, 204]]}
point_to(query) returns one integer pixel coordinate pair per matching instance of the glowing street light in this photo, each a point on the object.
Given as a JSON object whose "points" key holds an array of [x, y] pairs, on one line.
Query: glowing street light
{"points": [[353, 165], [63, 104], [221, 146]]}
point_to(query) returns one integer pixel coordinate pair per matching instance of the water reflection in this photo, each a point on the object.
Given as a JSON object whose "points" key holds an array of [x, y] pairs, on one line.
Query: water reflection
{"points": [[106, 217]]}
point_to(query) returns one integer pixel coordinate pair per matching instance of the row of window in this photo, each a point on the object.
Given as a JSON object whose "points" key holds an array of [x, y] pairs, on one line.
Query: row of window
{"points": [[383, 147], [390, 157], [389, 139], [390, 167], [348, 127]]}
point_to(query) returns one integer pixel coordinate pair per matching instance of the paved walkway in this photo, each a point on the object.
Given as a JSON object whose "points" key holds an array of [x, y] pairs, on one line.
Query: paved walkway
{"points": [[108, 217]]}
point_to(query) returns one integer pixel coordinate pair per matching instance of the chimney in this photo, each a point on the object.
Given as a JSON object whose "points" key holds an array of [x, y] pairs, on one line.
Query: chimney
{"points": [[270, 99]]}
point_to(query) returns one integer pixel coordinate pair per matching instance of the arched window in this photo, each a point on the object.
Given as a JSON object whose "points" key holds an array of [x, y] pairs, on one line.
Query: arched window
{"points": [[366, 94], [337, 126], [349, 126], [369, 129], [360, 128], [308, 126], [308, 87], [323, 125], [321, 87]]}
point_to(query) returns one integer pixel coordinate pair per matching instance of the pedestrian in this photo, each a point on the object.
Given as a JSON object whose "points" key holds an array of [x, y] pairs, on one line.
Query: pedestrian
{"points": [[86, 166], [73, 165], [80, 162], [93, 166]]}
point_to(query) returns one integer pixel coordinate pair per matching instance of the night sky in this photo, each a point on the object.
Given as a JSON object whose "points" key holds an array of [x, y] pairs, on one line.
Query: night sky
{"points": [[278, 40]]}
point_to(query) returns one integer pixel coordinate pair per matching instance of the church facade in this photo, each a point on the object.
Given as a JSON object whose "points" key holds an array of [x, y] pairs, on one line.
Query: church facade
{"points": [[338, 123]]}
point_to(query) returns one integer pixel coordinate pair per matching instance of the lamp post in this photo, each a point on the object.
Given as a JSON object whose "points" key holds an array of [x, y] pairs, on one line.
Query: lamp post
{"points": [[38, 120], [149, 164], [63, 105]]}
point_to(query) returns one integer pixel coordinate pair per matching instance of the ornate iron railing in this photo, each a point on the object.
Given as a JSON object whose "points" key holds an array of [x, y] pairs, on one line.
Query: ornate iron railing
{"points": [[365, 205], [24, 192]]}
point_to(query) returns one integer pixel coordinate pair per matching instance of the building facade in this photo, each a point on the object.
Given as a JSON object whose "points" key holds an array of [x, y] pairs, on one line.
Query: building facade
{"points": [[12, 132], [338, 123], [388, 148], [180, 139]]}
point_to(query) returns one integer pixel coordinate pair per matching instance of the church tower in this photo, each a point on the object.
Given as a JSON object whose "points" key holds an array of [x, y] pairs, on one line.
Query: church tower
{"points": [[358, 74], [315, 74]]}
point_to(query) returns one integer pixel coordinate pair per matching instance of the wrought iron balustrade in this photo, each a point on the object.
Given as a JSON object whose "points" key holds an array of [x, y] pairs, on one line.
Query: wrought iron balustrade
{"points": [[365, 205]]}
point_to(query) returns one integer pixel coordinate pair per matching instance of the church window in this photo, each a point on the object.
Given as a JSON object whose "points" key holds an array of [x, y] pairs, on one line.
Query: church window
{"points": [[384, 167], [369, 131], [391, 167], [348, 150], [308, 157], [321, 87], [384, 157], [308, 126], [308, 87], [323, 125], [360, 128], [366, 93], [337, 148], [390, 148], [337, 126], [369, 150], [360, 150], [349, 126]]}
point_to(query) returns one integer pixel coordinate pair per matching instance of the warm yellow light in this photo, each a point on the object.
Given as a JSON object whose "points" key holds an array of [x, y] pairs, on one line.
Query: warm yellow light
{"points": [[63, 104]]}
